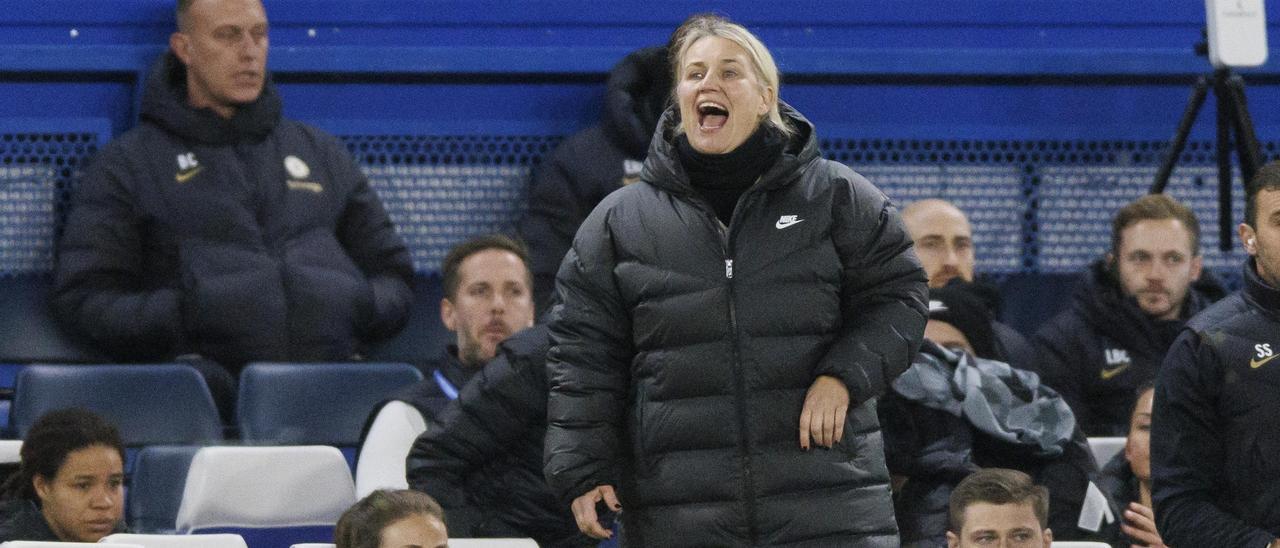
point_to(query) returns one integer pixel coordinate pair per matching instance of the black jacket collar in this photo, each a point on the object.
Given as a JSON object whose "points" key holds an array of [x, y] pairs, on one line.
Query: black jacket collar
{"points": [[1258, 291], [164, 103]]}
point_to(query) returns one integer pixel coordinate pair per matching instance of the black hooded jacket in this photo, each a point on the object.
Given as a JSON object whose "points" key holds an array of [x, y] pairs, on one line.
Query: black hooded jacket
{"points": [[1215, 448], [684, 350], [1099, 351], [590, 164], [481, 457], [249, 238]]}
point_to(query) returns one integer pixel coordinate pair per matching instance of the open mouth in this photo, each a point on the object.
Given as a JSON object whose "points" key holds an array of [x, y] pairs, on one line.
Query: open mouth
{"points": [[712, 115]]}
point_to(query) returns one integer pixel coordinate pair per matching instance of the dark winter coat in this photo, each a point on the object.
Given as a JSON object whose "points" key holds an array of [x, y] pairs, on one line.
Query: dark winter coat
{"points": [[429, 396], [950, 415], [1099, 351], [21, 519], [1215, 448], [590, 164], [685, 349], [1117, 482], [250, 238], [481, 458]]}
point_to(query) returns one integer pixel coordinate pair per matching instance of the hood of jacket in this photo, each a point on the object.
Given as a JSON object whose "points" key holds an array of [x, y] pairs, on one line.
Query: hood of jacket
{"points": [[1101, 301], [164, 103], [662, 167], [636, 94]]}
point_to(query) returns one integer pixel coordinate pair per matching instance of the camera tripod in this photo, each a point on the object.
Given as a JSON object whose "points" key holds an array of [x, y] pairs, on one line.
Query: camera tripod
{"points": [[1233, 121]]}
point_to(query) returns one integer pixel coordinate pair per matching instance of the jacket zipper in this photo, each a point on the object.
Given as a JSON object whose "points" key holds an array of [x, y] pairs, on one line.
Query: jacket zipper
{"points": [[740, 381]]}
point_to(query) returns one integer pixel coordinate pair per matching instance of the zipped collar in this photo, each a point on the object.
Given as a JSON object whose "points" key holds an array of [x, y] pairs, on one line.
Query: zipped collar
{"points": [[1258, 291]]}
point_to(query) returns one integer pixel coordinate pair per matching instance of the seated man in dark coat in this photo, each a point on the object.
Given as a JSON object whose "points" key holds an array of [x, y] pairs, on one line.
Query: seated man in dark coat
{"points": [[218, 229], [487, 298]]}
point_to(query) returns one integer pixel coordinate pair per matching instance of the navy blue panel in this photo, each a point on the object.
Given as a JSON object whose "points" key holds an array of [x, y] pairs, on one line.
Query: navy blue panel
{"points": [[1032, 299], [278, 537], [314, 403], [424, 338], [150, 404], [155, 487], [30, 332]]}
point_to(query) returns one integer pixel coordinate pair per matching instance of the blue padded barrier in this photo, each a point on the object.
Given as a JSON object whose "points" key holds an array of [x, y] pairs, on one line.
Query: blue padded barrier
{"points": [[150, 404], [314, 403], [155, 487]]}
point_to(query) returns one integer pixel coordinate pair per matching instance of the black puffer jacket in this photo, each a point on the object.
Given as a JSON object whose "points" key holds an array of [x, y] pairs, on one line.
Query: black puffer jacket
{"points": [[1215, 449], [684, 352], [250, 238], [482, 456], [590, 164], [1098, 352]]}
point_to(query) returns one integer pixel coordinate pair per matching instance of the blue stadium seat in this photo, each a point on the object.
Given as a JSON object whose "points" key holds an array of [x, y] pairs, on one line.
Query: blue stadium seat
{"points": [[155, 487], [151, 404], [424, 338], [314, 403], [274, 497]]}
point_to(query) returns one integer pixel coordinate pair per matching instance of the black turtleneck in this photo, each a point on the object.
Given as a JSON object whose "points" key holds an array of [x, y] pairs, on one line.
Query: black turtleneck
{"points": [[722, 178]]}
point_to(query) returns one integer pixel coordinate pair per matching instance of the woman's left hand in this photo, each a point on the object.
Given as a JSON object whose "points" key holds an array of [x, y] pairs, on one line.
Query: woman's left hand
{"points": [[822, 419]]}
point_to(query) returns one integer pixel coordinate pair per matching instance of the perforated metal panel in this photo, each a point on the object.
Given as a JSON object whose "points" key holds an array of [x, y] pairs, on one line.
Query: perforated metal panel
{"points": [[440, 190], [992, 197], [1077, 204], [36, 170]]}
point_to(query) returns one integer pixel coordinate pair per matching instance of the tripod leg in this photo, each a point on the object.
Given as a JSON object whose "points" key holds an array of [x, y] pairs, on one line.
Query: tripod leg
{"points": [[1179, 142], [1226, 113], [1247, 149]]}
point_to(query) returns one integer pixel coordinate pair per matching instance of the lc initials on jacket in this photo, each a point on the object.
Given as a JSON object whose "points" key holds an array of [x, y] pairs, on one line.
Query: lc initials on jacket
{"points": [[250, 238], [684, 351]]}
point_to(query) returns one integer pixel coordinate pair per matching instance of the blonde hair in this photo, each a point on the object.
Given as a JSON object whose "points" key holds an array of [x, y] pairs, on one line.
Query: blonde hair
{"points": [[706, 25]]}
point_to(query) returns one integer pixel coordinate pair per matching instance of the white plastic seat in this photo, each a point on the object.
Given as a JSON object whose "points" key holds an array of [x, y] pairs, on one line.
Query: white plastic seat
{"points": [[1105, 448], [315, 545], [492, 543], [10, 451], [177, 541], [265, 487], [382, 457]]}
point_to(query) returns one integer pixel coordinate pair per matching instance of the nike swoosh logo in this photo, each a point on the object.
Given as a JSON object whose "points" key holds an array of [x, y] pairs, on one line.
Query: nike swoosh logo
{"points": [[1256, 363], [184, 176], [784, 224], [1108, 373]]}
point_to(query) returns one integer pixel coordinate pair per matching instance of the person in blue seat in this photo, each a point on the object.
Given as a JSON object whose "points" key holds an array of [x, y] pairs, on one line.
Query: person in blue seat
{"points": [[727, 323], [944, 244], [392, 519], [221, 232], [590, 164], [487, 298], [1126, 311], [1215, 448], [70, 483]]}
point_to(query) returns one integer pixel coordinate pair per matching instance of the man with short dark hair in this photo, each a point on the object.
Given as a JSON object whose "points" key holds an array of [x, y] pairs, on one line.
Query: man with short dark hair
{"points": [[998, 507], [1126, 312], [1215, 450], [488, 297], [220, 231]]}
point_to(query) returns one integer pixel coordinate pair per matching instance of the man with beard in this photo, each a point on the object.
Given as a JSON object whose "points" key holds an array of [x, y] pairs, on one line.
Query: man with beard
{"points": [[1125, 313], [1213, 436], [944, 244], [487, 298]]}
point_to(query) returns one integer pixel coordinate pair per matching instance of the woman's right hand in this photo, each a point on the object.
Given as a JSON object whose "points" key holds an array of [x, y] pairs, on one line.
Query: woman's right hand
{"points": [[584, 511]]}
